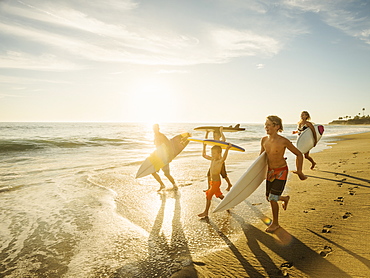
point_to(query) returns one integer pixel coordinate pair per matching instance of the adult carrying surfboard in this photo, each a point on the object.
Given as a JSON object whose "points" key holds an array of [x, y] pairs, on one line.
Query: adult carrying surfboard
{"points": [[166, 151]]}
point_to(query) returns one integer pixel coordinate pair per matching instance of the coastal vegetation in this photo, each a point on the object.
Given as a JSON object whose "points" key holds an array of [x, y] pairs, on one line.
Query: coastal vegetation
{"points": [[356, 120]]}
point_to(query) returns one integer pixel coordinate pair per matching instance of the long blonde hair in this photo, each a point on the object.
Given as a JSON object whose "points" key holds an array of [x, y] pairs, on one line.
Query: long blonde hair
{"points": [[308, 117]]}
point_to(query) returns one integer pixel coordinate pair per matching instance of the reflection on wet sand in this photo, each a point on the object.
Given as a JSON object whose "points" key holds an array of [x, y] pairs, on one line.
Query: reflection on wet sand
{"points": [[164, 258]]}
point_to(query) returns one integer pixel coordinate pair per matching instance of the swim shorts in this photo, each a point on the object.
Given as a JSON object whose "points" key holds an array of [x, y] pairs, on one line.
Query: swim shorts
{"points": [[275, 182], [223, 172], [214, 190]]}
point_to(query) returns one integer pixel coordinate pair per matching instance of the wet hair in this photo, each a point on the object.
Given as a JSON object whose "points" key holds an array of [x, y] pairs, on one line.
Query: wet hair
{"points": [[217, 148], [276, 121]]}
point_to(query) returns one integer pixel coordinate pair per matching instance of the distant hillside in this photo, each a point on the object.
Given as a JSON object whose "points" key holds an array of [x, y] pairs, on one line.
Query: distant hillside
{"points": [[357, 120]]}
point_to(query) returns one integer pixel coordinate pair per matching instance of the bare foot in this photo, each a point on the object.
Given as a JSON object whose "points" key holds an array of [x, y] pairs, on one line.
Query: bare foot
{"points": [[313, 165], [285, 203], [300, 175], [203, 214], [228, 188], [162, 187], [272, 228], [175, 187]]}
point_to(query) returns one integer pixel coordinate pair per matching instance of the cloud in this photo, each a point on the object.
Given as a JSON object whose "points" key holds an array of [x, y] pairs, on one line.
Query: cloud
{"points": [[77, 33], [43, 62], [260, 66], [73, 35], [349, 16], [8, 95]]}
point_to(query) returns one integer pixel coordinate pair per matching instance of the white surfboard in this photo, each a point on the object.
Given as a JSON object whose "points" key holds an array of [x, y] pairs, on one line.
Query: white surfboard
{"points": [[246, 185], [222, 144], [305, 141]]}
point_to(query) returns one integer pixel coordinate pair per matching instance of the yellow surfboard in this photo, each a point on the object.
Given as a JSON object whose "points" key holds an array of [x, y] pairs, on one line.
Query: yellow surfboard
{"points": [[222, 144]]}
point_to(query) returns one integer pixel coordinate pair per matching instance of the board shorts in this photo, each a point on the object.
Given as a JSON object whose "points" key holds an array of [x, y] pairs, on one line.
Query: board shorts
{"points": [[275, 182], [214, 190], [223, 171]]}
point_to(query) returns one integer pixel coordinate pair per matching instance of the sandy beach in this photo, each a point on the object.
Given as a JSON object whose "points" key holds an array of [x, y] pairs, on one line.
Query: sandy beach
{"points": [[323, 232]]}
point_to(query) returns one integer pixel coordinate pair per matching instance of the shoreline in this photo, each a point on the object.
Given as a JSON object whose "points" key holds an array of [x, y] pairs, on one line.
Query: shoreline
{"points": [[322, 231]]}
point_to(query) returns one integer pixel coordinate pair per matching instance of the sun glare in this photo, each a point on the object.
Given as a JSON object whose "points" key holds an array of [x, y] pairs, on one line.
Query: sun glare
{"points": [[152, 101]]}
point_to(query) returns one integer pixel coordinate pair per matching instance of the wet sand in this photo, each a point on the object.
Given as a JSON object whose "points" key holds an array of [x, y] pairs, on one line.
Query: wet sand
{"points": [[324, 232]]}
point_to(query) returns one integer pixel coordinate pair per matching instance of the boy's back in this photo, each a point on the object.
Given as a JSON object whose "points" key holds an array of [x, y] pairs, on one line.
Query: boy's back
{"points": [[215, 168]]}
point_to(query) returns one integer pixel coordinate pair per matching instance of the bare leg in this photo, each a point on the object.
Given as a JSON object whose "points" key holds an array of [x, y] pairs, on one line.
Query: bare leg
{"points": [[309, 158], [285, 200], [158, 178], [229, 185], [209, 183], [275, 217], [171, 179], [205, 213]]}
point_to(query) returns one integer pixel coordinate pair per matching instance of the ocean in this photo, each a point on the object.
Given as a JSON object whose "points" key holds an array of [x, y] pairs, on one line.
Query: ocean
{"points": [[71, 206]]}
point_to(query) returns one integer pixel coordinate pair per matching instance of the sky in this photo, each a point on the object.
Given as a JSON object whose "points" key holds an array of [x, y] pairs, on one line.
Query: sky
{"points": [[216, 61]]}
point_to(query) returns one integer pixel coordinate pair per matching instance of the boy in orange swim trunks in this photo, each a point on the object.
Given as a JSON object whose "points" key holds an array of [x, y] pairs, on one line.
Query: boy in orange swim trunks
{"points": [[217, 161], [275, 146], [219, 135]]}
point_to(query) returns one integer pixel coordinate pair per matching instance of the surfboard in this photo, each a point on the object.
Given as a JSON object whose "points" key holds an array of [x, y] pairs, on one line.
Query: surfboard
{"points": [[305, 141], [162, 155], [225, 128], [246, 184], [222, 144]]}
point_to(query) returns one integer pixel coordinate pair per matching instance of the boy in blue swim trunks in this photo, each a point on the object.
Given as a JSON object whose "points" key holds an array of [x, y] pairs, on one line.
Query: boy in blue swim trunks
{"points": [[275, 145]]}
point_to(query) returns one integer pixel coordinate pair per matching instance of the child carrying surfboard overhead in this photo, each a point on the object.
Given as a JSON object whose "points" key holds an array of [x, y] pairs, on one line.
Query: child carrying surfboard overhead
{"points": [[219, 135], [217, 161], [275, 145]]}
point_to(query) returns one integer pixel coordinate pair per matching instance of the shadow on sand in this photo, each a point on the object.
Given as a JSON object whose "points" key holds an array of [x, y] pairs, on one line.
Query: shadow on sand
{"points": [[343, 180], [165, 259], [286, 246]]}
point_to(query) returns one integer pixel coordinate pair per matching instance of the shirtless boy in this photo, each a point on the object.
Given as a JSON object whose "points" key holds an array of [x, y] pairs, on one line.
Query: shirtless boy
{"points": [[217, 161], [219, 135], [275, 146]]}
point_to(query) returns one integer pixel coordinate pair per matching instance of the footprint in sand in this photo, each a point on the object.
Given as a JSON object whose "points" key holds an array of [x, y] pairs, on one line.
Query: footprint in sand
{"points": [[199, 263], [340, 200], [284, 268], [185, 184], [351, 192], [347, 215], [326, 228], [308, 210], [326, 251]]}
